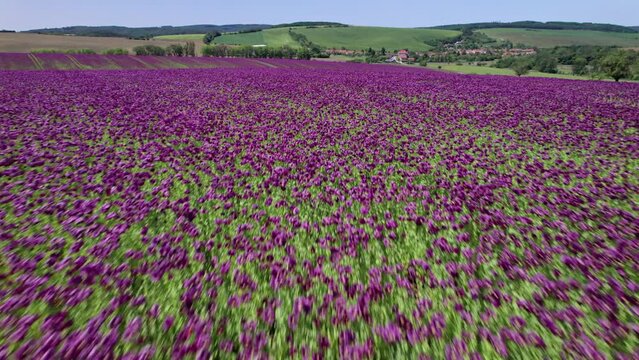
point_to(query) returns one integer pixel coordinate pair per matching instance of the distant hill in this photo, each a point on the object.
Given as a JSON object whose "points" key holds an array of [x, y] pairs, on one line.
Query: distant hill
{"points": [[28, 42], [310, 23], [155, 31], [146, 32], [551, 25], [351, 37], [545, 38]]}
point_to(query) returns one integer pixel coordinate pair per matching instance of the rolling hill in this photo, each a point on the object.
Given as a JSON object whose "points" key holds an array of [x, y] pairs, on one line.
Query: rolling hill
{"points": [[27, 42], [545, 38], [351, 37], [145, 32], [550, 25], [272, 37]]}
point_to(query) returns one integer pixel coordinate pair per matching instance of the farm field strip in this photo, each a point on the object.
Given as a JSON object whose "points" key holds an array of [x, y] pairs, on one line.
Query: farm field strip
{"points": [[317, 210], [550, 38], [19, 61]]}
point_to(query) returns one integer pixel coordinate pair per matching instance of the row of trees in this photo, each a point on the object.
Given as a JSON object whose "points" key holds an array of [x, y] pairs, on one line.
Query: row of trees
{"points": [[597, 62], [208, 37], [188, 49], [284, 52]]}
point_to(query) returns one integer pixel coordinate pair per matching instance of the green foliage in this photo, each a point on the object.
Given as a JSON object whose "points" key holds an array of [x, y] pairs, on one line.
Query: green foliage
{"points": [[468, 39], [247, 51], [546, 63], [580, 66], [189, 48], [175, 50], [208, 37], [81, 51], [149, 50], [57, 51], [47, 51], [521, 66], [116, 51], [618, 65]]}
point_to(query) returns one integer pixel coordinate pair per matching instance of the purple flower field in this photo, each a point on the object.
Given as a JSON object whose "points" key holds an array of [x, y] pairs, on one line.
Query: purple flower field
{"points": [[293, 209], [46, 61]]}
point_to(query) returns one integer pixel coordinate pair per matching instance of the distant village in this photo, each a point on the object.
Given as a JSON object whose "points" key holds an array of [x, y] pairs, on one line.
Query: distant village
{"points": [[456, 49]]}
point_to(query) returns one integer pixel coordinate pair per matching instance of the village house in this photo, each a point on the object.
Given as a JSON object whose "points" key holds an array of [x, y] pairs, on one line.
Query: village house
{"points": [[342, 52], [474, 52], [519, 52], [403, 55]]}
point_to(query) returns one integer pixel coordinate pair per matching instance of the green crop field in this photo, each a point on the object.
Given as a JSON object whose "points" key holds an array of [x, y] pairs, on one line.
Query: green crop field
{"points": [[352, 37], [487, 70], [272, 37], [552, 38], [184, 37], [363, 37]]}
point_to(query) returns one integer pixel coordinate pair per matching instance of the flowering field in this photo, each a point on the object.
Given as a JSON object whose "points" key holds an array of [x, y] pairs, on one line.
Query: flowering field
{"points": [[19, 61], [350, 211]]}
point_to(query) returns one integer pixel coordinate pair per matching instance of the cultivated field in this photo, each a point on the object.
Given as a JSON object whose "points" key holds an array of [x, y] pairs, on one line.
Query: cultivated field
{"points": [[26, 42], [487, 70], [317, 210], [352, 37], [363, 37], [273, 37], [552, 38], [19, 61], [181, 37]]}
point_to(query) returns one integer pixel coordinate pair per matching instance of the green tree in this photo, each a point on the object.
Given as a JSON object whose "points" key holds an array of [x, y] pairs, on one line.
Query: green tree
{"points": [[580, 66], [208, 37], [175, 50], [304, 54], [617, 65], [149, 50], [546, 63], [189, 48], [520, 66], [117, 51]]}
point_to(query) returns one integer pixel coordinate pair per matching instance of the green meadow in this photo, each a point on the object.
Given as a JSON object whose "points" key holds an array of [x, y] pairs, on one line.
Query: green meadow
{"points": [[552, 38]]}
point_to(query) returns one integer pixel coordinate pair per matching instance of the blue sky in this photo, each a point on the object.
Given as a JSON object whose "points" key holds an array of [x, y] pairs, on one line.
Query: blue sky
{"points": [[29, 14]]}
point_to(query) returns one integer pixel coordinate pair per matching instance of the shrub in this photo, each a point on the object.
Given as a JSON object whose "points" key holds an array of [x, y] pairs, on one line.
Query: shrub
{"points": [[81, 51], [149, 50], [618, 65], [175, 50], [521, 66], [546, 63], [208, 37], [46, 51], [116, 51]]}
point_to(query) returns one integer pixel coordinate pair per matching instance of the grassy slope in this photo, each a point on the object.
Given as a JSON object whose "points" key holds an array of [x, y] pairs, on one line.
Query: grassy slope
{"points": [[26, 42], [272, 37], [352, 37], [486, 70], [551, 38], [363, 37], [183, 37]]}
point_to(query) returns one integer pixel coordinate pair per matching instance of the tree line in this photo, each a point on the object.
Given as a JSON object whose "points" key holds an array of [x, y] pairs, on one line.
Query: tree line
{"points": [[247, 51], [188, 49], [594, 61], [550, 25]]}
